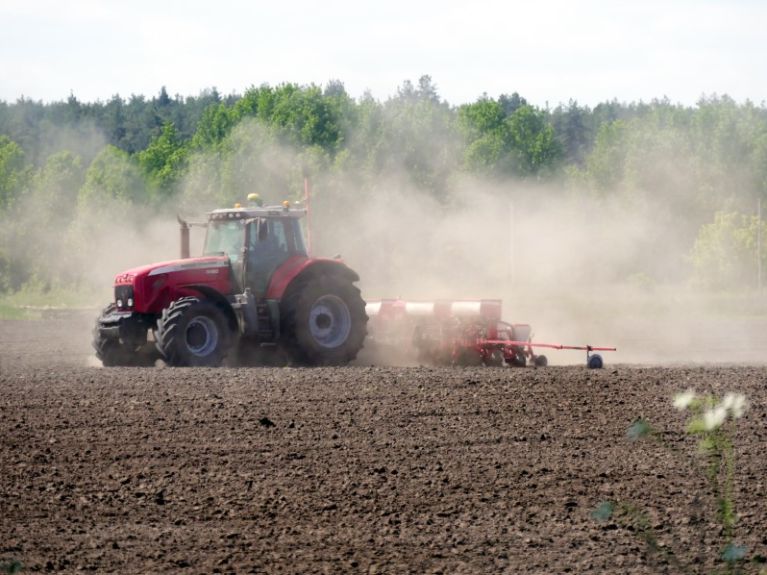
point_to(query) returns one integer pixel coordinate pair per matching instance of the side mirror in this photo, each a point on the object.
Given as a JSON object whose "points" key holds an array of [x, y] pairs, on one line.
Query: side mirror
{"points": [[263, 230]]}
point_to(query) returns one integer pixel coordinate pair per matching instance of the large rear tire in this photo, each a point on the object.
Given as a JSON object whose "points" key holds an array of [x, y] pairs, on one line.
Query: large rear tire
{"points": [[193, 332], [324, 322]]}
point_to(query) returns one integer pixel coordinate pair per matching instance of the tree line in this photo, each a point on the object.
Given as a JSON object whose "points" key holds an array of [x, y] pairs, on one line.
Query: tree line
{"points": [[705, 164]]}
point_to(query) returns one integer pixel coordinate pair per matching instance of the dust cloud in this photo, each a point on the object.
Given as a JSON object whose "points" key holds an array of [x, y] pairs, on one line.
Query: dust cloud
{"points": [[580, 268]]}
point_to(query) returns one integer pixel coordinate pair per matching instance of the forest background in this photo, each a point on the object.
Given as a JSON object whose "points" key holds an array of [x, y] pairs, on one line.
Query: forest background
{"points": [[646, 194]]}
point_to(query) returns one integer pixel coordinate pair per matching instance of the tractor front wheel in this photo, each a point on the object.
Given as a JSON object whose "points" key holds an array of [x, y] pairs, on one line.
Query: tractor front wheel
{"points": [[193, 332], [116, 352], [324, 322], [111, 352]]}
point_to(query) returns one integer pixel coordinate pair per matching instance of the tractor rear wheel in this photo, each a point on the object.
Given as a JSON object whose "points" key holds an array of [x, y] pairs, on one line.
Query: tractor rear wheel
{"points": [[193, 332], [324, 322]]}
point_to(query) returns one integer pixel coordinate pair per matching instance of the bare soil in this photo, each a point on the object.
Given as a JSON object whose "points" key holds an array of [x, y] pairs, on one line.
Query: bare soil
{"points": [[358, 470]]}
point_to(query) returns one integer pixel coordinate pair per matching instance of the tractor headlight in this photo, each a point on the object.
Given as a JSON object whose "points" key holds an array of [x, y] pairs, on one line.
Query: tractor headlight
{"points": [[124, 297]]}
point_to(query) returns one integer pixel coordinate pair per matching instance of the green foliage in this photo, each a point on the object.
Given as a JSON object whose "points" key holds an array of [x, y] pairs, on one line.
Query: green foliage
{"points": [[55, 187], [574, 128], [215, 124], [164, 161], [522, 143], [488, 140], [695, 160], [299, 116], [725, 251], [483, 116], [13, 172], [303, 117], [113, 175], [533, 141], [692, 166], [605, 165], [411, 136]]}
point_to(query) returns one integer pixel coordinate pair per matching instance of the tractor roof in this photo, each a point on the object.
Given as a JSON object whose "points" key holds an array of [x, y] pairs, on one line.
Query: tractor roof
{"points": [[257, 212]]}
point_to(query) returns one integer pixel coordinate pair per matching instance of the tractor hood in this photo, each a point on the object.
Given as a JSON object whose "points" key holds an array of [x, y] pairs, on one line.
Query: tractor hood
{"points": [[173, 266], [149, 288]]}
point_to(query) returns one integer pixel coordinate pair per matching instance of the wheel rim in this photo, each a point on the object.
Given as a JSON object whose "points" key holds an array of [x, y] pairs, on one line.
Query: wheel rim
{"points": [[330, 321], [201, 336]]}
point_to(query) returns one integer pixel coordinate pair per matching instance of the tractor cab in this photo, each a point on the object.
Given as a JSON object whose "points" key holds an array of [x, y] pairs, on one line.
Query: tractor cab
{"points": [[257, 241]]}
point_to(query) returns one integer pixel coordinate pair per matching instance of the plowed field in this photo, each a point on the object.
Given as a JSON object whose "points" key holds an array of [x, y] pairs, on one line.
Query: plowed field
{"points": [[358, 469]]}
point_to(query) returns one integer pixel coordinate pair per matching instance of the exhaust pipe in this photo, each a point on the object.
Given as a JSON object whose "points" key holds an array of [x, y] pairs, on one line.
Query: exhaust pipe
{"points": [[184, 232]]}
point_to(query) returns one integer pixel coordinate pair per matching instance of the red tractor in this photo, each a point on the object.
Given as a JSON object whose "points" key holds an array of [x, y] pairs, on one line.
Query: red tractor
{"points": [[254, 288]]}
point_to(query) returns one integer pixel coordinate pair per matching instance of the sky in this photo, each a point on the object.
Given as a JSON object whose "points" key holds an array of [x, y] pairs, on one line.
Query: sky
{"points": [[549, 51]]}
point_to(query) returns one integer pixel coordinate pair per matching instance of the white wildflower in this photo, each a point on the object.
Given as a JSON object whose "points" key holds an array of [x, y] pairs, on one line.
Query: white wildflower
{"points": [[715, 417], [683, 400], [736, 404]]}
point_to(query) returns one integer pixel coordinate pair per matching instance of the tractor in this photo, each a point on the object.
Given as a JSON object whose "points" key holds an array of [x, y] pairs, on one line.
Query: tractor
{"points": [[255, 288]]}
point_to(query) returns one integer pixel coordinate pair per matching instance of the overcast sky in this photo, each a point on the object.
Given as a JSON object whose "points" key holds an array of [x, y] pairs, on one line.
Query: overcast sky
{"points": [[548, 51]]}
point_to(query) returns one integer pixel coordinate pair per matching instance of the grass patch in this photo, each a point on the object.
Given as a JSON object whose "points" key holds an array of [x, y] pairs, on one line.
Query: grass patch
{"points": [[31, 302], [12, 312]]}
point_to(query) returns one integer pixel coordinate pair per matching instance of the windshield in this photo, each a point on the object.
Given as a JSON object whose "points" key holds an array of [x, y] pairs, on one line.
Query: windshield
{"points": [[227, 237]]}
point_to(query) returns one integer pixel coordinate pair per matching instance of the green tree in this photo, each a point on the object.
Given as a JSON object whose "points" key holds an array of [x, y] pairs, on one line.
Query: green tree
{"points": [[57, 185], [215, 124], [572, 125], [605, 165], [483, 124], [483, 116], [113, 176], [511, 103], [533, 142], [303, 116], [725, 252], [164, 161], [14, 173], [414, 134], [521, 144]]}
